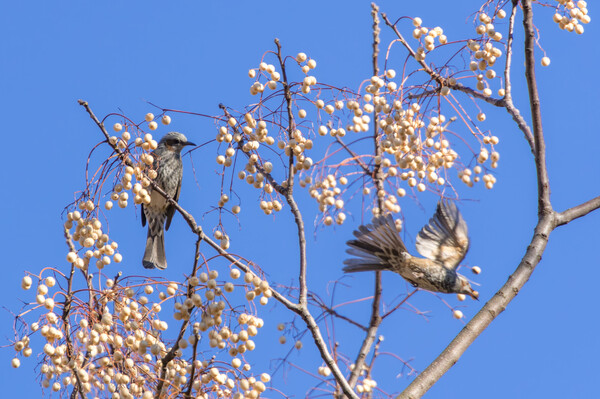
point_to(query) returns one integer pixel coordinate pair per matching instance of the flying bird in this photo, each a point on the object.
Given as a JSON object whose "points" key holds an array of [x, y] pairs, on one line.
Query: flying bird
{"points": [[444, 242], [169, 170]]}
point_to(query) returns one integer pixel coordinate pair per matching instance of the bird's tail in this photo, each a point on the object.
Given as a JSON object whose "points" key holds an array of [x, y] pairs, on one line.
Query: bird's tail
{"points": [[377, 247], [154, 255]]}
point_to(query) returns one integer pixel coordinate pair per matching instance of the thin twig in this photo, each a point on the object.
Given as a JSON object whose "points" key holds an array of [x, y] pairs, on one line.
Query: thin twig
{"points": [[375, 319], [508, 100], [402, 302], [333, 312], [66, 314], [355, 156]]}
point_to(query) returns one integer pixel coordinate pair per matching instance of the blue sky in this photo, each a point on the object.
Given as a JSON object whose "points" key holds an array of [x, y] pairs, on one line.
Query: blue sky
{"points": [[194, 55]]}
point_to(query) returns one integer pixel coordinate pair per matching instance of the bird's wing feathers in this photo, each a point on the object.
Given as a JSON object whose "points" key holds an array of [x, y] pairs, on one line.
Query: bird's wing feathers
{"points": [[445, 239], [171, 208]]}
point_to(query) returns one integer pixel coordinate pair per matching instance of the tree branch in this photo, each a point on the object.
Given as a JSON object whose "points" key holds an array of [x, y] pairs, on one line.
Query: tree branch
{"points": [[66, 313], [508, 101], [196, 229], [186, 321], [289, 194], [547, 222], [544, 205], [496, 305], [577, 211], [375, 319], [302, 311], [436, 76]]}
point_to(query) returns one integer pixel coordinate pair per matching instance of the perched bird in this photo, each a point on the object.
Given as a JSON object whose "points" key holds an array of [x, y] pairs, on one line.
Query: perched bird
{"points": [[169, 169], [443, 242]]}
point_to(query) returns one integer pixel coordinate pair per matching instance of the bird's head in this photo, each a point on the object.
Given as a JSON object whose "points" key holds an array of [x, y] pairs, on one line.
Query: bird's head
{"points": [[174, 141], [464, 287]]}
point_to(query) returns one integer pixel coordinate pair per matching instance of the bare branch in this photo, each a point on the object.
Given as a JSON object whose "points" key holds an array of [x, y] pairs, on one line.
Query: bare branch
{"points": [[544, 205], [172, 353], [354, 155], [508, 101], [65, 318], [436, 76], [577, 211], [547, 222], [487, 314], [375, 319], [303, 310], [289, 195], [325, 355]]}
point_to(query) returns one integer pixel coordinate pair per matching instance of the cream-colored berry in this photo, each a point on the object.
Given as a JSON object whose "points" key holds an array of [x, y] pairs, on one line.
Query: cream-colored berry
{"points": [[545, 61], [166, 119], [27, 281], [224, 244], [457, 314], [149, 117], [42, 289], [152, 125], [476, 269], [234, 273], [117, 127]]}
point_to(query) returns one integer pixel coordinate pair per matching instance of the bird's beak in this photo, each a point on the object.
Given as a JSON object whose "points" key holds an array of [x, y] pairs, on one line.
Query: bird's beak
{"points": [[474, 294], [190, 143]]}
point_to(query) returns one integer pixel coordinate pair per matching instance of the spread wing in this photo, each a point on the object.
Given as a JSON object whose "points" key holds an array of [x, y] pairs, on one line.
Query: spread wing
{"points": [[445, 239], [171, 208]]}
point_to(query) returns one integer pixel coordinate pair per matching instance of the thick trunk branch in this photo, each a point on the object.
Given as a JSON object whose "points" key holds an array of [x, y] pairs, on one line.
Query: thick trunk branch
{"points": [[496, 305]]}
